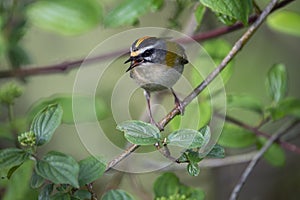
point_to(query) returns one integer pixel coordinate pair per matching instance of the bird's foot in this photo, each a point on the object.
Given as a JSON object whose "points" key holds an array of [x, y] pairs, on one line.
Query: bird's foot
{"points": [[178, 103], [179, 106]]}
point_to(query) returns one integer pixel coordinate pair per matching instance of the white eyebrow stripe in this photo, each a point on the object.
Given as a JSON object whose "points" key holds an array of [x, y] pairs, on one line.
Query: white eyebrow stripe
{"points": [[146, 48]]}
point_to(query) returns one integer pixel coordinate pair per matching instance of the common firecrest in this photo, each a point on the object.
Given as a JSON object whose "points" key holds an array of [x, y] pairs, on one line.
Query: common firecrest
{"points": [[156, 64]]}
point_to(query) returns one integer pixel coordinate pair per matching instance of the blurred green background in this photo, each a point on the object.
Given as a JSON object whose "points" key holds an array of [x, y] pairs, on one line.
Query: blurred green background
{"points": [[251, 66]]}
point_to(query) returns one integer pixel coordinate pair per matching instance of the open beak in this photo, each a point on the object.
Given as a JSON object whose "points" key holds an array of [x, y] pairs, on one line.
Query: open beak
{"points": [[134, 61]]}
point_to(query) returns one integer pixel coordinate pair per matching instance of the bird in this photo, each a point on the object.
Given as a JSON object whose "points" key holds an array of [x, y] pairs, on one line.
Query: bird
{"points": [[156, 64]]}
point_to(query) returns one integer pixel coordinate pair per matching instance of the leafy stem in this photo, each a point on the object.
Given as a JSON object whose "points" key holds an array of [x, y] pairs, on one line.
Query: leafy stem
{"points": [[233, 52]]}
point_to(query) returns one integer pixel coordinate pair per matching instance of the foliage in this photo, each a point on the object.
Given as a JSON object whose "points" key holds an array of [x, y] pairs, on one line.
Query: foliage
{"points": [[65, 17], [123, 14], [117, 194], [61, 171], [230, 10], [167, 186]]}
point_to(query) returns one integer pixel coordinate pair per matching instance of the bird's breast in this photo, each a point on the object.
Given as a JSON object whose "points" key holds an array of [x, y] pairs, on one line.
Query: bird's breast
{"points": [[154, 77]]}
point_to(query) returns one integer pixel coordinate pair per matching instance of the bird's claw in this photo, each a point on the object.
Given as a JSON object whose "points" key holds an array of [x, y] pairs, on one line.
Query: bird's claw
{"points": [[179, 106]]}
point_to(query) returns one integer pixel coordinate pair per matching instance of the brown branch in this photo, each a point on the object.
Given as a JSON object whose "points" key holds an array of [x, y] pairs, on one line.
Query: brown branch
{"points": [[255, 159], [122, 156], [175, 111], [288, 146], [67, 66], [57, 68]]}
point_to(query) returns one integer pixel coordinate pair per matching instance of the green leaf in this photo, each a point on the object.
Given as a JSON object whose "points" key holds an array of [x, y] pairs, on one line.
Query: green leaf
{"points": [[61, 196], [189, 138], [197, 194], [90, 169], [286, 107], [217, 152], [274, 155], [62, 188], [64, 16], [226, 19], [17, 56], [46, 192], [199, 12], [82, 194], [86, 109], [285, 22], [236, 137], [139, 132], [116, 194], [193, 156], [128, 12], [16, 191], [45, 123], [218, 49], [190, 156], [12, 157], [237, 9], [166, 185], [244, 101], [183, 158], [12, 170], [58, 168], [36, 180], [193, 169], [276, 82]]}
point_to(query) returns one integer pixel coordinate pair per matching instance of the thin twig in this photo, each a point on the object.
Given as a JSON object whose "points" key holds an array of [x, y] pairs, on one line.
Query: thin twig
{"points": [[164, 150], [122, 156], [67, 66], [207, 163], [175, 111], [255, 160], [288, 146], [91, 191]]}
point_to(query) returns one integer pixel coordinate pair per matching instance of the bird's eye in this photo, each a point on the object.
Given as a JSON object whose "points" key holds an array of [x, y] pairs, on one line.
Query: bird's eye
{"points": [[148, 53]]}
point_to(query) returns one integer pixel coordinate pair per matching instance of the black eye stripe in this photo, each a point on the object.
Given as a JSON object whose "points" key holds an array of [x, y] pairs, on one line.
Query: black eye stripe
{"points": [[147, 53]]}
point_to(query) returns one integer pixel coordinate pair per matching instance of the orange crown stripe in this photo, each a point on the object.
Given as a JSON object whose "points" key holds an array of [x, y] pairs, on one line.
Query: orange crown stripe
{"points": [[141, 40]]}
